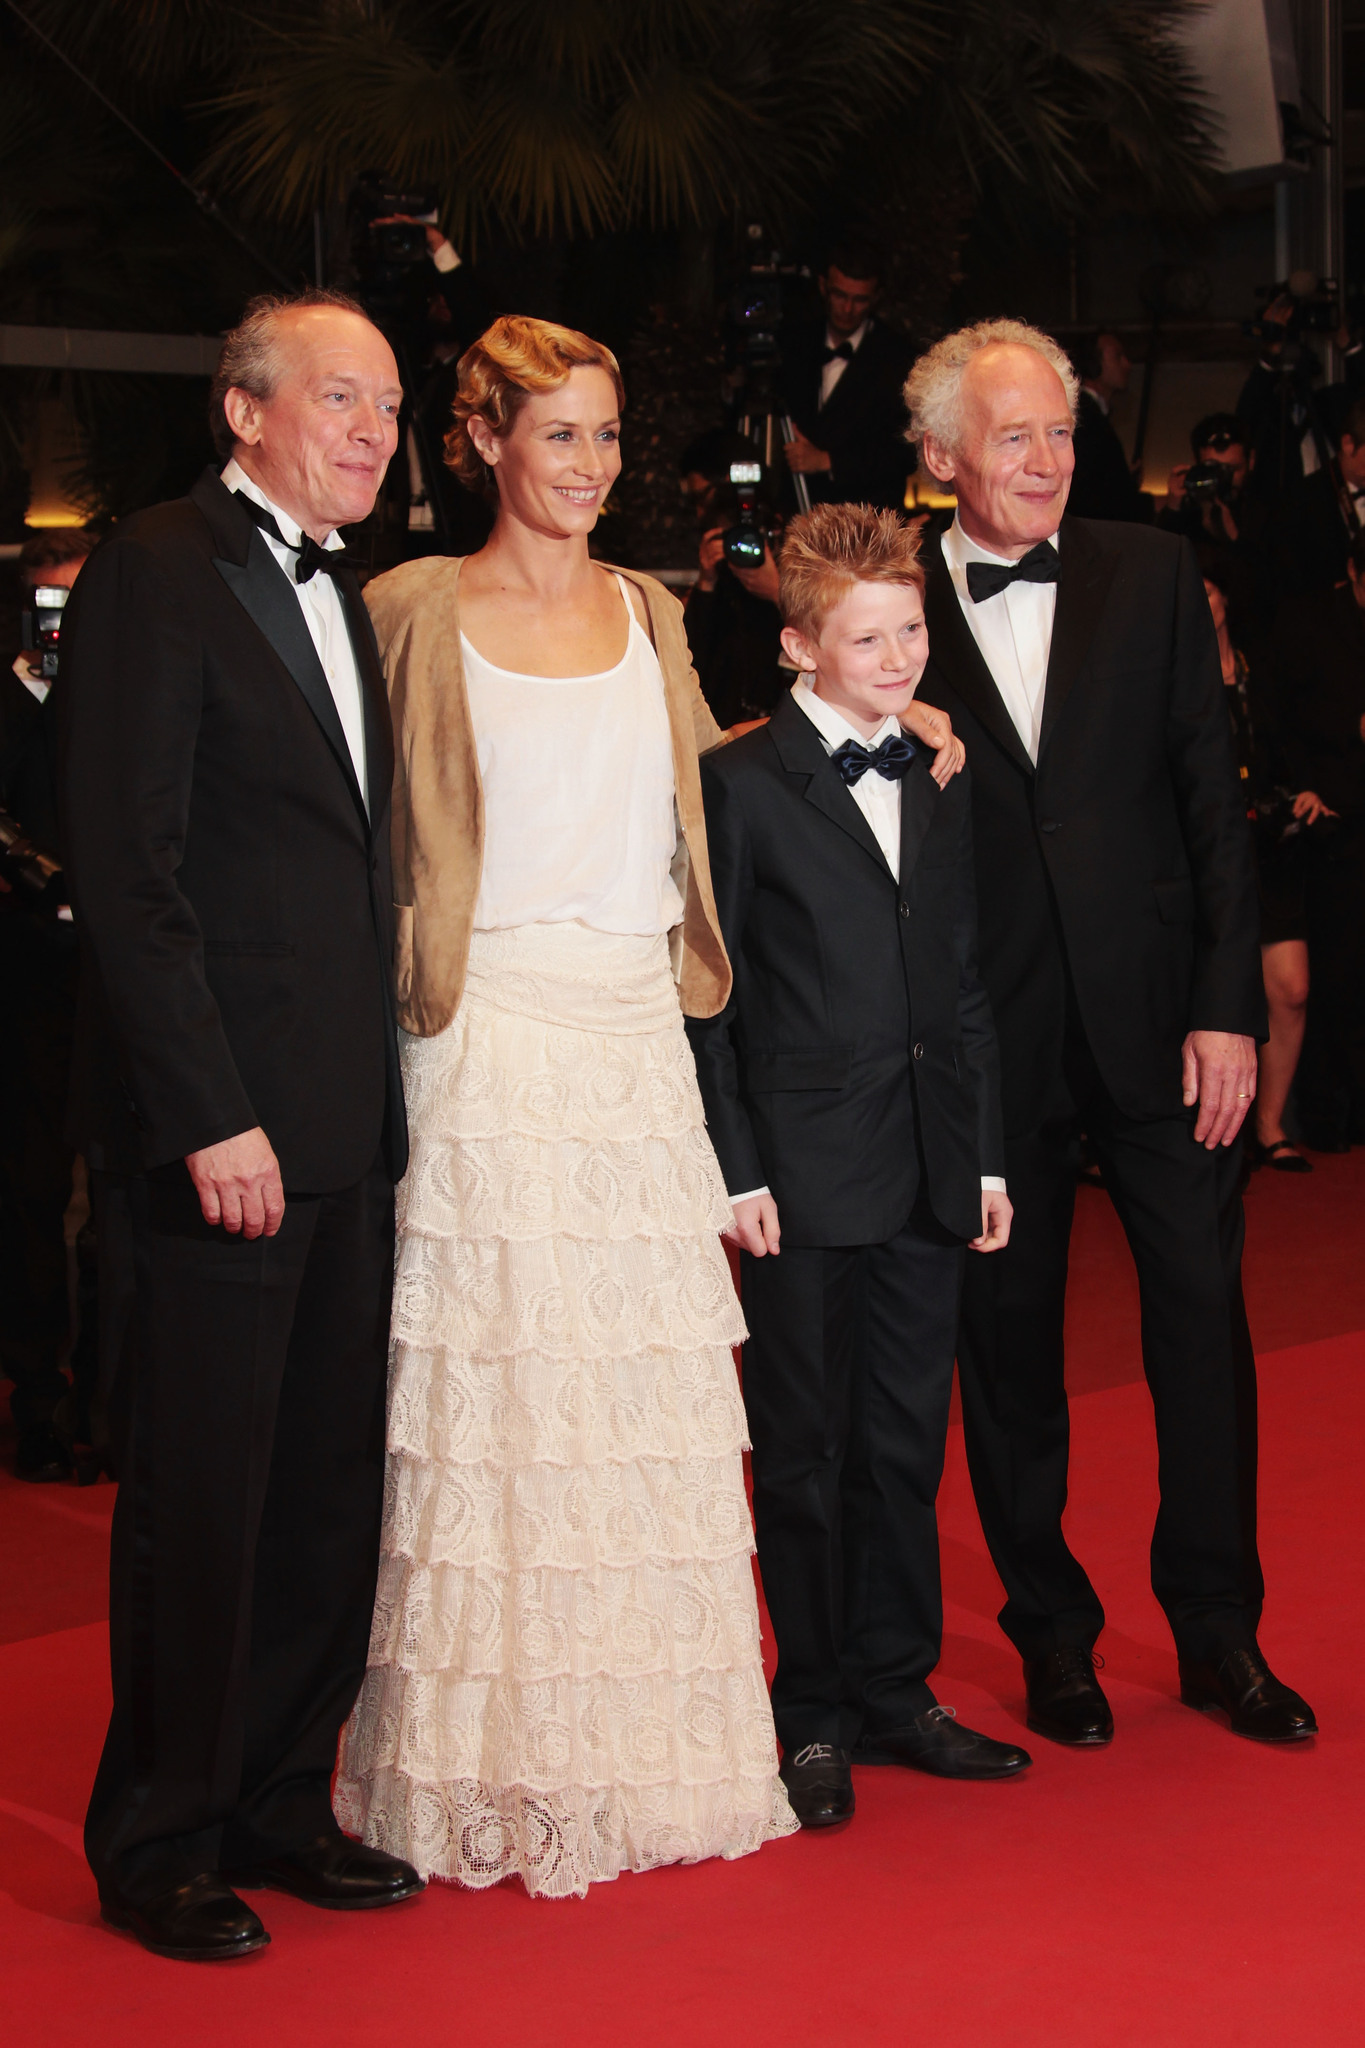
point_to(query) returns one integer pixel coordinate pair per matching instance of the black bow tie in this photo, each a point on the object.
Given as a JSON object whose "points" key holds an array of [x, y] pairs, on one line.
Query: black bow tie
{"points": [[988, 579], [311, 556], [890, 759], [842, 354]]}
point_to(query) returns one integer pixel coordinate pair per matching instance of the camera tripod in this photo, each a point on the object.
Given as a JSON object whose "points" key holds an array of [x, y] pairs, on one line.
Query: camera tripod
{"points": [[771, 431]]}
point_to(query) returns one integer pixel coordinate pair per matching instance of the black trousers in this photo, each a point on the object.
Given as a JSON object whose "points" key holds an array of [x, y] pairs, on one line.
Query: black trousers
{"points": [[1330, 1087], [847, 1378], [1181, 1211], [249, 1440]]}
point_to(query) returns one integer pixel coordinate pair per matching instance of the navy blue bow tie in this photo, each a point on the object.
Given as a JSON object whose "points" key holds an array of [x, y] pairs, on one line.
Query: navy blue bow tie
{"points": [[890, 759]]}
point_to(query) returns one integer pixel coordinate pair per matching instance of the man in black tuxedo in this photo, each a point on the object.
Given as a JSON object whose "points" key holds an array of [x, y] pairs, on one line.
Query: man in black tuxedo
{"points": [[226, 763], [1119, 948], [852, 1096], [842, 380], [1320, 660], [1103, 485]]}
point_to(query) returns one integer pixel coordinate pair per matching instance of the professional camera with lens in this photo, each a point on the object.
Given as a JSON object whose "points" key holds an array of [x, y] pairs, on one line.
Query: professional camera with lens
{"points": [[745, 542], [42, 626], [1314, 308], [1209, 483]]}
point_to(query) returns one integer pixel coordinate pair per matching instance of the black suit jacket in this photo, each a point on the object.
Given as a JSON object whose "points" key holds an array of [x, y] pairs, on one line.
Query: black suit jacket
{"points": [[1103, 486], [1310, 538], [1320, 659], [1125, 858], [863, 425], [857, 1017], [232, 895]]}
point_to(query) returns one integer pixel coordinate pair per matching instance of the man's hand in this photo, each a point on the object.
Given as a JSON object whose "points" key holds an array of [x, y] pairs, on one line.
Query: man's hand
{"points": [[759, 582], [997, 1213], [934, 728], [1309, 806], [238, 1184], [1175, 486], [756, 1227], [803, 457], [709, 558], [1218, 1070]]}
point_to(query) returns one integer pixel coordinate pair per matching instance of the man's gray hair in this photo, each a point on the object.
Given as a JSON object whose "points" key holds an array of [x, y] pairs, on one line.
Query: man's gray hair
{"points": [[933, 390], [250, 360]]}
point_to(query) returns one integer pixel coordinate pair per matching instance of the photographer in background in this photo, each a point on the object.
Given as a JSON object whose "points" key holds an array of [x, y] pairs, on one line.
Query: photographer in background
{"points": [[1320, 655], [1215, 498], [37, 1012], [842, 379], [732, 618], [1281, 816], [1104, 484], [1318, 518]]}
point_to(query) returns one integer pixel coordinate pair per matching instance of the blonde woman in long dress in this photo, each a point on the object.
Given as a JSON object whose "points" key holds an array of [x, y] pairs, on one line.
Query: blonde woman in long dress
{"points": [[565, 1678]]}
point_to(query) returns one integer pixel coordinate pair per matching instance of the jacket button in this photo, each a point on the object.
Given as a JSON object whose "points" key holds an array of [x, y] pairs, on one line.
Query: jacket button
{"points": [[919, 1052], [1050, 825], [905, 910]]}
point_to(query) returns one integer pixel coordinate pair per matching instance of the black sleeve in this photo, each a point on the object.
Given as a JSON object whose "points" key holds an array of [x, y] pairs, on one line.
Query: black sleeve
{"points": [[975, 1020], [712, 1038], [1228, 992], [130, 707]]}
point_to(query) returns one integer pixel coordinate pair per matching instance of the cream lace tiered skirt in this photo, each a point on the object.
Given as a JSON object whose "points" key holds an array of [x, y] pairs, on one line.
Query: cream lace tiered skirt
{"points": [[565, 1679]]}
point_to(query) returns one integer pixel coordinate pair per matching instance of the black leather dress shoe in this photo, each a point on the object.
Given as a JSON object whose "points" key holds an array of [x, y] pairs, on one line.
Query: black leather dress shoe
{"points": [[819, 1785], [1065, 1699], [1247, 1690], [336, 1872], [202, 1921], [934, 1742]]}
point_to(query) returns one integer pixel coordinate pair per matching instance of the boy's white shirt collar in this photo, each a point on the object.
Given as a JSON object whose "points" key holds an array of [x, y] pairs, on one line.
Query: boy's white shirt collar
{"points": [[831, 725]]}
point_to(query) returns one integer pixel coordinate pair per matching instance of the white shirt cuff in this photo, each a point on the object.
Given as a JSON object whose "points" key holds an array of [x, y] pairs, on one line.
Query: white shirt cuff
{"points": [[445, 257], [747, 1196], [992, 1184]]}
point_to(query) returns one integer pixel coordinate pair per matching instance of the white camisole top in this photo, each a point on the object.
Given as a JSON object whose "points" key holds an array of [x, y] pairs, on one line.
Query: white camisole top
{"points": [[579, 817]]}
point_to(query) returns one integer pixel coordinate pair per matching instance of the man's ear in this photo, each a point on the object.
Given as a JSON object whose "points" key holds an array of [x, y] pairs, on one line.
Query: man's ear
{"points": [[243, 415], [797, 649], [936, 459]]}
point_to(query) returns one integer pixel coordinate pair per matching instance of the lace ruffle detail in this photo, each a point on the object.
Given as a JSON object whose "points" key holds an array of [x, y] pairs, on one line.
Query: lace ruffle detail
{"points": [[565, 1677]]}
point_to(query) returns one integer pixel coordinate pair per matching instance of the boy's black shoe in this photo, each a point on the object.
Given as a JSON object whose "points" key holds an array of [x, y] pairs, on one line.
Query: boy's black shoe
{"points": [[934, 1742], [819, 1785]]}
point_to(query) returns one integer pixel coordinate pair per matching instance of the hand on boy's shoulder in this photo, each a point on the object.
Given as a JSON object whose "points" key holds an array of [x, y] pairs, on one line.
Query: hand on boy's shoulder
{"points": [[933, 728]]}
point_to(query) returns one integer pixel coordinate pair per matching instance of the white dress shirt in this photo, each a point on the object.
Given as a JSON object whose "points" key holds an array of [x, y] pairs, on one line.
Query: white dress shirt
{"points": [[833, 370], [877, 796], [325, 617], [1013, 629]]}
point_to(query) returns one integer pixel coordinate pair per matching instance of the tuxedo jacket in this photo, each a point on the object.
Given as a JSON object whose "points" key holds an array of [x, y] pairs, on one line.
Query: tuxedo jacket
{"points": [[231, 892], [1320, 659], [863, 425], [1124, 860], [857, 1038]]}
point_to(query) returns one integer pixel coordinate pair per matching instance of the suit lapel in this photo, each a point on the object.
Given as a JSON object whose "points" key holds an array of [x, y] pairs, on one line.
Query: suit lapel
{"points": [[953, 649], [802, 753], [919, 795], [1087, 571], [266, 594]]}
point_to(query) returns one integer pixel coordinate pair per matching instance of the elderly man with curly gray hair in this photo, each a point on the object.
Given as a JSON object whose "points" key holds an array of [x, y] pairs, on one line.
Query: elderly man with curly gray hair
{"points": [[1119, 947]]}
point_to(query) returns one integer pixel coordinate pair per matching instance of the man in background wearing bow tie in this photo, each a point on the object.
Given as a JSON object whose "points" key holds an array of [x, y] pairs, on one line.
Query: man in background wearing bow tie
{"points": [[852, 1096], [842, 378], [1119, 948], [226, 764]]}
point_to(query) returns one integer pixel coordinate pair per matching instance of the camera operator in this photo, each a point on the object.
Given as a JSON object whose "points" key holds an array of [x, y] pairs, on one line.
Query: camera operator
{"points": [[1320, 653], [1292, 424], [1104, 484], [1318, 518], [37, 1012], [732, 618], [842, 380]]}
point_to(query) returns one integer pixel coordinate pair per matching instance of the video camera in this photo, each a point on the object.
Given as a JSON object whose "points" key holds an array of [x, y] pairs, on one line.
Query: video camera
{"points": [[754, 315], [385, 252], [42, 626], [1315, 308]]}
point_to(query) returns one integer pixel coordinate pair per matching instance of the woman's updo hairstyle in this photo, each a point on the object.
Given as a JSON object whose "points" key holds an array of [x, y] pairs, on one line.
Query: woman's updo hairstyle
{"points": [[516, 357]]}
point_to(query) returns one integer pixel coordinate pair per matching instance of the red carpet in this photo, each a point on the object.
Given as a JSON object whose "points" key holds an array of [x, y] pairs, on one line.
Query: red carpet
{"points": [[1180, 1888]]}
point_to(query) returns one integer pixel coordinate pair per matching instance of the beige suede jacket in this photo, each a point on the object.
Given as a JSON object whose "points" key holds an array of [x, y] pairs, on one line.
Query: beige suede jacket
{"points": [[438, 811]]}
